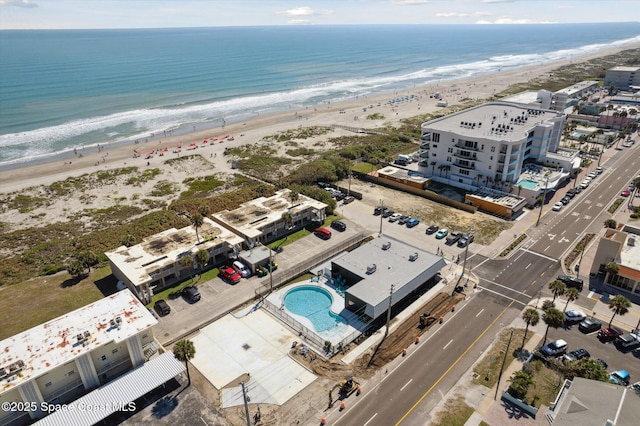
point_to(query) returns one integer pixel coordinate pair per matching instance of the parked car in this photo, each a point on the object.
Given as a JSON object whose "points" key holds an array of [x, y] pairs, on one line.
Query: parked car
{"points": [[431, 229], [339, 225], [377, 210], [627, 341], [620, 377], [574, 316], [625, 193], [571, 193], [394, 217], [599, 170], [403, 219], [565, 200], [578, 189], [592, 175], [323, 233], [454, 237], [571, 282], [348, 199], [557, 206], [555, 348], [442, 233], [191, 293], [413, 222], [608, 334], [465, 240], [589, 325], [162, 308], [603, 363], [576, 355], [230, 275], [386, 212], [241, 268]]}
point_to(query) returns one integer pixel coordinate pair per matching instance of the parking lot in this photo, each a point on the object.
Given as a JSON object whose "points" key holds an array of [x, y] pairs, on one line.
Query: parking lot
{"points": [[615, 359]]}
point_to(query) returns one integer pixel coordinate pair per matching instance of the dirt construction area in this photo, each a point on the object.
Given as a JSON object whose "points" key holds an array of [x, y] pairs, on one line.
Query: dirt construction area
{"points": [[314, 399]]}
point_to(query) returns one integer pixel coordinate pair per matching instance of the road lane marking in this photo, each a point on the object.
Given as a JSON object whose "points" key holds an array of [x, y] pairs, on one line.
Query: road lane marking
{"points": [[445, 346], [369, 421], [478, 314], [545, 249], [424, 395], [500, 285], [507, 297], [527, 267], [541, 255], [406, 384]]}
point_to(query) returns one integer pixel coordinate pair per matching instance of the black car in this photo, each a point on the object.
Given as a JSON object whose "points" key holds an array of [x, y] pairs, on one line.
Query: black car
{"points": [[565, 200], [378, 210], [191, 293], [590, 325], [386, 212], [576, 355], [432, 229], [339, 225], [571, 282], [465, 240], [162, 308], [571, 193], [348, 199], [339, 195]]}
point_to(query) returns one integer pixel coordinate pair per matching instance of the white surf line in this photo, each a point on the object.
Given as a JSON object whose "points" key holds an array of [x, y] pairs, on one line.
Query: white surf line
{"points": [[505, 287], [445, 346], [406, 384], [369, 421], [478, 314], [505, 296], [541, 255]]}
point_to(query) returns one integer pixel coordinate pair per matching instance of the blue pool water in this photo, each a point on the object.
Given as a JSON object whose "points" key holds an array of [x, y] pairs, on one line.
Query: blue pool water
{"points": [[313, 303], [528, 184]]}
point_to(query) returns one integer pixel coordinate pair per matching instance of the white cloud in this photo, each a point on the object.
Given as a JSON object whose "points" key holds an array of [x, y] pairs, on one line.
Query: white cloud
{"points": [[411, 2], [451, 15], [506, 20], [498, 1], [299, 22], [18, 3], [299, 11]]}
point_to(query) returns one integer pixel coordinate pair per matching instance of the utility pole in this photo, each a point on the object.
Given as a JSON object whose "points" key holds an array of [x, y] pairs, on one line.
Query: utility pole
{"points": [[502, 366], [544, 197], [386, 332], [270, 270], [246, 405], [381, 205]]}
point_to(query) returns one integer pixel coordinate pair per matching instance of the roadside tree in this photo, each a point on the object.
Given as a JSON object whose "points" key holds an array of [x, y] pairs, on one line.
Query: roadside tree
{"points": [[619, 305], [530, 317], [558, 288], [184, 351], [552, 318], [571, 294]]}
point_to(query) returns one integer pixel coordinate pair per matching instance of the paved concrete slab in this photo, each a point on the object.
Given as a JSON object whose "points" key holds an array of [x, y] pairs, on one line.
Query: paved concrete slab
{"points": [[255, 344]]}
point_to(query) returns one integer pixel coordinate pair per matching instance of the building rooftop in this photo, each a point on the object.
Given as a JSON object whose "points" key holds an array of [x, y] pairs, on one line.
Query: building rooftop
{"points": [[630, 253], [623, 68], [498, 197], [403, 174], [34, 352], [589, 402], [501, 121], [578, 87], [251, 217], [536, 177], [140, 262], [393, 265]]}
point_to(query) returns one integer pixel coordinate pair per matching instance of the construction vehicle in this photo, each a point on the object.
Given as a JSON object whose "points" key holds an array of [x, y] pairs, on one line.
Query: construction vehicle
{"points": [[345, 388], [426, 319]]}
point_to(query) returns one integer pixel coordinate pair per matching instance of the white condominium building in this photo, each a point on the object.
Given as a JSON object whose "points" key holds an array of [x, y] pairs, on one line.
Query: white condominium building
{"points": [[488, 145]]}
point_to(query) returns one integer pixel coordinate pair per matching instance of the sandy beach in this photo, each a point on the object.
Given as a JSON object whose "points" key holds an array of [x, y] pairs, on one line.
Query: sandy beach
{"points": [[211, 142]]}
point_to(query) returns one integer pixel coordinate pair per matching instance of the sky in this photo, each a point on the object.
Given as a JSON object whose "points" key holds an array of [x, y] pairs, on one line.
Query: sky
{"points": [[75, 14]]}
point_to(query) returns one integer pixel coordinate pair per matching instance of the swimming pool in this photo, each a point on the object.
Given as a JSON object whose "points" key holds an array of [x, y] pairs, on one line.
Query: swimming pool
{"points": [[313, 303], [528, 184]]}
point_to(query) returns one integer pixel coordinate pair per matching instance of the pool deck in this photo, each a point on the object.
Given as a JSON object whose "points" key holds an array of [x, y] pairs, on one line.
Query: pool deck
{"points": [[352, 323]]}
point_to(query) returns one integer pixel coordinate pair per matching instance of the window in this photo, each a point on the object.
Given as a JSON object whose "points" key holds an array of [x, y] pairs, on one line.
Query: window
{"points": [[47, 384], [436, 137], [450, 149], [489, 167], [491, 157], [103, 357], [464, 172], [449, 159], [114, 351], [482, 147], [435, 146], [493, 149], [433, 155]]}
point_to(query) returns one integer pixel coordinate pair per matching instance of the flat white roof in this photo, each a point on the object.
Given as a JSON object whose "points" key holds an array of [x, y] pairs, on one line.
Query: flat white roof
{"points": [[139, 262], [54, 343], [578, 87], [253, 216], [500, 121]]}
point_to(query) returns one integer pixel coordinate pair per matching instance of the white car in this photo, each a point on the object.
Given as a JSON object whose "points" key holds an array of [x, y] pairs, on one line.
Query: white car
{"points": [[394, 217], [574, 316], [557, 206]]}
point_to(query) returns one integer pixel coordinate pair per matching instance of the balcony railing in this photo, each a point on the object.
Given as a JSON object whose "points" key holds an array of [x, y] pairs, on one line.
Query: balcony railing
{"points": [[470, 166], [471, 157], [469, 148]]}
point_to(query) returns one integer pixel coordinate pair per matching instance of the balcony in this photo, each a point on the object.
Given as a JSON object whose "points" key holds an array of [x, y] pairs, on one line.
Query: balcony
{"points": [[425, 145], [469, 148], [470, 166], [465, 156]]}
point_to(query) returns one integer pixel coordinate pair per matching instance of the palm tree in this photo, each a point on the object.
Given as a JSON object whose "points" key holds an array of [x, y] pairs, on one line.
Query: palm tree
{"points": [[197, 221], [433, 166], [204, 210], [287, 218], [530, 317], [184, 351], [128, 240], [619, 305], [612, 269], [88, 258], [571, 294], [75, 268], [610, 223], [558, 288], [202, 257], [294, 196], [187, 263], [520, 383], [553, 318]]}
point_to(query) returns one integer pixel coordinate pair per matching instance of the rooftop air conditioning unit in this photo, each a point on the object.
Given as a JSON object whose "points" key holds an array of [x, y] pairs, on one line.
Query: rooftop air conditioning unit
{"points": [[386, 246], [371, 269], [631, 241], [413, 257]]}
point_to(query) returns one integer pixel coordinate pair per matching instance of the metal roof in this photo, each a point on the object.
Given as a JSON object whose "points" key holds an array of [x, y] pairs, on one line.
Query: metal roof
{"points": [[115, 395]]}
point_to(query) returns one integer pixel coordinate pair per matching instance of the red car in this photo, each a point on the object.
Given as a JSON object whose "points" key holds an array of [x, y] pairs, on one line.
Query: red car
{"points": [[608, 334], [230, 275], [625, 193]]}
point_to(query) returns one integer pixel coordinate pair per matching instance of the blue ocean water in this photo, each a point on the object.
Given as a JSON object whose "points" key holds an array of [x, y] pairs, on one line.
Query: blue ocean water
{"points": [[70, 88]]}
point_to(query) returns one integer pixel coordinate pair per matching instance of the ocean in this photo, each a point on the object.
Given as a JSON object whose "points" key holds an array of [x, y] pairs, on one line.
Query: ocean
{"points": [[66, 89]]}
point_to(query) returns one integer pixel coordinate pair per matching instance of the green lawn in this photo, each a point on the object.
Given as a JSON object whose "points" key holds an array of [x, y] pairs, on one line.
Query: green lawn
{"points": [[455, 413], [174, 290], [363, 167]]}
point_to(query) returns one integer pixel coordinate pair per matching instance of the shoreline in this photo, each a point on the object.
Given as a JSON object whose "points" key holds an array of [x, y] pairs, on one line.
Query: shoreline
{"points": [[17, 176]]}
